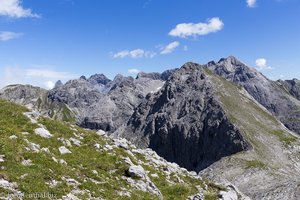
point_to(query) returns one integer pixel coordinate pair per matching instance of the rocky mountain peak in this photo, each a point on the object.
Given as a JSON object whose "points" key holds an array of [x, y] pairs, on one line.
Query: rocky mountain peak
{"points": [[231, 59], [234, 70], [58, 84], [178, 121], [99, 79], [82, 78], [230, 65]]}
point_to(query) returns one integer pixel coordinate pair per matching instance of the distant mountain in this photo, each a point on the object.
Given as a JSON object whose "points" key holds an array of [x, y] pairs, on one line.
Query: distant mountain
{"points": [[95, 103], [100, 103], [224, 120], [277, 96]]}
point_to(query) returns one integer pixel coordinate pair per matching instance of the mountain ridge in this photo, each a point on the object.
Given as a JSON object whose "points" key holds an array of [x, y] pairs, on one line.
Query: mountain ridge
{"points": [[223, 119]]}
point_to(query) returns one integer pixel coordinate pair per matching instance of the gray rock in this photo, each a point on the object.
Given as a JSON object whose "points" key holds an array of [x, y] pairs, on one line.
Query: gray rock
{"points": [[43, 133], [136, 171], [64, 150], [276, 96], [2, 158], [75, 142], [101, 103], [292, 86], [27, 162], [58, 84], [184, 123]]}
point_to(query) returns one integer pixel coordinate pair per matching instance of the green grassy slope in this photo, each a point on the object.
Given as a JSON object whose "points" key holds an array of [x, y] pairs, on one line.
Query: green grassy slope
{"points": [[97, 172]]}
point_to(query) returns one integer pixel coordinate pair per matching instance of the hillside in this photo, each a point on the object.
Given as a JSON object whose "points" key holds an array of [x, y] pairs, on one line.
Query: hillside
{"points": [[200, 119], [270, 170], [39, 156]]}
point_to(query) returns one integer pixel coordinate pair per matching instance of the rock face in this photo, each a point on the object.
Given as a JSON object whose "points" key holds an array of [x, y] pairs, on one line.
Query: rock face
{"points": [[275, 96], [292, 86], [23, 94], [36, 98], [184, 123], [95, 103], [104, 104], [58, 84]]}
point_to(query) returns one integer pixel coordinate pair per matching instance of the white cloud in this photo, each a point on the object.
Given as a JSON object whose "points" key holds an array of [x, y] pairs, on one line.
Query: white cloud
{"points": [[149, 54], [49, 85], [169, 48], [136, 53], [261, 64], [251, 3], [6, 35], [185, 30], [13, 8], [133, 71], [41, 77]]}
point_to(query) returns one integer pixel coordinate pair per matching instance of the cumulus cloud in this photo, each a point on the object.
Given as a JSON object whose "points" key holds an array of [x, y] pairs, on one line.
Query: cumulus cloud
{"points": [[134, 71], [41, 77], [136, 53], [185, 30], [261, 64], [169, 48], [14, 8], [6, 35], [251, 3]]}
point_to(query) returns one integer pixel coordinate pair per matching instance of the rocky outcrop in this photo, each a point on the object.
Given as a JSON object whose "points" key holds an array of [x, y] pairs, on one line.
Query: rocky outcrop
{"points": [[272, 95], [184, 123], [157, 76], [95, 103], [58, 84], [37, 99], [104, 104], [27, 95], [292, 86]]}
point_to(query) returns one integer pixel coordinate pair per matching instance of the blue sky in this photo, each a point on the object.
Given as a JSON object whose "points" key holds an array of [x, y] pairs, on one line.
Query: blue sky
{"points": [[43, 41]]}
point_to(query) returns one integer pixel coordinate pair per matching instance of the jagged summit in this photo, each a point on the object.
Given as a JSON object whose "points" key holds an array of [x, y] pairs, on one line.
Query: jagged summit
{"points": [[99, 78], [82, 78], [182, 118], [233, 69], [231, 59], [58, 84], [277, 98]]}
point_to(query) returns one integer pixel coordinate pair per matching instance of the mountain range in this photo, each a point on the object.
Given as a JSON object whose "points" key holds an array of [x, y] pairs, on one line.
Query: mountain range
{"points": [[224, 120]]}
